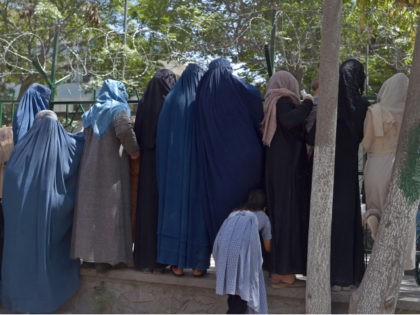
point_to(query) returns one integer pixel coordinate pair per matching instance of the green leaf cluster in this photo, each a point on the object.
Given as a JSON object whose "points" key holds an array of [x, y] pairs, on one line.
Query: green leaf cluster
{"points": [[379, 33]]}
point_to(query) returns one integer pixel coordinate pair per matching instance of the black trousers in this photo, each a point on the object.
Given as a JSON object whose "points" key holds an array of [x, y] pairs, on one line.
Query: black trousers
{"points": [[236, 305]]}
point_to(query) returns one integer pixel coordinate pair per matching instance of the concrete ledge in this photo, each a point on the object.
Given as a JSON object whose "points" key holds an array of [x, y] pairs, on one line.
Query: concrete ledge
{"points": [[128, 291]]}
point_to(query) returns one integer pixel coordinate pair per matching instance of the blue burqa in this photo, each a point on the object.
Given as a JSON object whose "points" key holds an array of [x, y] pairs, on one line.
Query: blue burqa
{"points": [[38, 275], [230, 151], [111, 101], [35, 99], [182, 238]]}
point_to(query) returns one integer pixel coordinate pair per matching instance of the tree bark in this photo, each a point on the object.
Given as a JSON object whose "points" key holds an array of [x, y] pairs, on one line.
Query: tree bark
{"points": [[26, 83], [318, 289], [378, 292]]}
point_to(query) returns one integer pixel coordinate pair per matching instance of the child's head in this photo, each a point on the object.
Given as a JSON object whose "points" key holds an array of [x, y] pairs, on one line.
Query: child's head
{"points": [[256, 200]]}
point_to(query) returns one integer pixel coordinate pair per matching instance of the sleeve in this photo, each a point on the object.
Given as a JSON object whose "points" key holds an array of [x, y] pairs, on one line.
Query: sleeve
{"points": [[368, 134], [289, 115], [125, 133], [266, 228]]}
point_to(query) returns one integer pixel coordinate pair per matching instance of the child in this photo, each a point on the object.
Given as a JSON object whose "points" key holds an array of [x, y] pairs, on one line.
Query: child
{"points": [[237, 253]]}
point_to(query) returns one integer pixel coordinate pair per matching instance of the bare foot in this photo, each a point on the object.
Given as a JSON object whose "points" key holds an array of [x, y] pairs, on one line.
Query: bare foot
{"points": [[287, 279]]}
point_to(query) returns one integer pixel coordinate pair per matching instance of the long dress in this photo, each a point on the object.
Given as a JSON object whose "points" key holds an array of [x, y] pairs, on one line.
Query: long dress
{"points": [[347, 266], [380, 139], [182, 238], [230, 151], [287, 187], [35, 99], [38, 275], [145, 243], [102, 229]]}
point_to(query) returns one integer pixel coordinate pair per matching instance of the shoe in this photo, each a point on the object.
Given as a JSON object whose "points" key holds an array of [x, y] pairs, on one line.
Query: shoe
{"points": [[336, 288], [296, 284], [198, 273], [178, 272]]}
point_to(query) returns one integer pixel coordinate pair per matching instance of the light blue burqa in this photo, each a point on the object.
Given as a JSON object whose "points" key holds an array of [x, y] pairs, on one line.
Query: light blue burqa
{"points": [[182, 237], [38, 275], [112, 100], [35, 99], [238, 258]]}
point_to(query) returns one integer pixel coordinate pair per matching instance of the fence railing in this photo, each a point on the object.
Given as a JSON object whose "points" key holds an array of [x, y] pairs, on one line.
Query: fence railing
{"points": [[67, 111]]}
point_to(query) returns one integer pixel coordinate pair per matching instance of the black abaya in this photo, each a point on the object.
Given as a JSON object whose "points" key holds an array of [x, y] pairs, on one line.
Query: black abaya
{"points": [[287, 183], [346, 231], [147, 203]]}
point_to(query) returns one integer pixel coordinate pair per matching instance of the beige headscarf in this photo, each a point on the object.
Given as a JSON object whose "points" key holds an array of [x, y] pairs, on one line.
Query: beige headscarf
{"points": [[281, 84], [391, 100]]}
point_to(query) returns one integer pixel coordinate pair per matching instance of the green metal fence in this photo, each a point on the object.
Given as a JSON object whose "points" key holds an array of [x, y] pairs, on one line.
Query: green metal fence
{"points": [[72, 112]]}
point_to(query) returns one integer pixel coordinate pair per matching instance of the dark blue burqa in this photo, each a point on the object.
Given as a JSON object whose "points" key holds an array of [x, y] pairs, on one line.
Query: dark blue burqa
{"points": [[182, 237], [35, 99], [38, 275], [230, 151]]}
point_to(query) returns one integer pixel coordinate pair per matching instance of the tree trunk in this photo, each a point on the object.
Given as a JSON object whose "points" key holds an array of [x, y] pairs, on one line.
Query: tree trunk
{"points": [[318, 289], [378, 292], [26, 83]]}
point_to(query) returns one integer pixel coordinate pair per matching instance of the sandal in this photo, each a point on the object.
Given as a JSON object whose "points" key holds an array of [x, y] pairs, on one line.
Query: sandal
{"points": [[178, 272], [198, 273], [296, 284]]}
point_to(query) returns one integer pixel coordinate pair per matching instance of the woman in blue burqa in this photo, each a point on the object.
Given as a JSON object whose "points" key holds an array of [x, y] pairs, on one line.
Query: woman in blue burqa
{"points": [[35, 99], [181, 235], [230, 151], [38, 275]]}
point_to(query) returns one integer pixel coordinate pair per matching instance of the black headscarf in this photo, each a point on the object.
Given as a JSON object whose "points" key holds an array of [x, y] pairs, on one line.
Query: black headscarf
{"points": [[351, 87], [149, 107]]}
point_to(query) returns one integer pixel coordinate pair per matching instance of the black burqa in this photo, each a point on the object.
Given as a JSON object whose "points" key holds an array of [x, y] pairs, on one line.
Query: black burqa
{"points": [[147, 201], [347, 234]]}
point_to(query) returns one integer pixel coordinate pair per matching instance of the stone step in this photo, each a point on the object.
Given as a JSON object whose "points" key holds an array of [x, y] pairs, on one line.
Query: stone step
{"points": [[128, 291]]}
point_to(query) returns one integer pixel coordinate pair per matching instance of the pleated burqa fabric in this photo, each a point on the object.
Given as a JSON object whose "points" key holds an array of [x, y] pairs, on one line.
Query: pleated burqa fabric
{"points": [[346, 231], [102, 229], [182, 236], [38, 275], [35, 99], [230, 152], [238, 258], [145, 127]]}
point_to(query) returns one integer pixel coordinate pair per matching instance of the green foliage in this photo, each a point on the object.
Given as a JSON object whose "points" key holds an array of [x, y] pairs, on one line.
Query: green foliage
{"points": [[46, 11], [380, 34], [92, 41]]}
